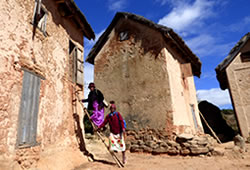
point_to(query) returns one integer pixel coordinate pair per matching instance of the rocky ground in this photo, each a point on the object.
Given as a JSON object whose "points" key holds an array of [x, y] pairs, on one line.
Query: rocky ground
{"points": [[228, 157]]}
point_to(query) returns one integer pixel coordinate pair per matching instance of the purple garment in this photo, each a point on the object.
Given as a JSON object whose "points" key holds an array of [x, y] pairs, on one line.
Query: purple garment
{"points": [[98, 115]]}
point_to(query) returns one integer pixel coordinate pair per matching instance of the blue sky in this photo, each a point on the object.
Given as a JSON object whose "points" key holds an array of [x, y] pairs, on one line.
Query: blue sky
{"points": [[209, 27]]}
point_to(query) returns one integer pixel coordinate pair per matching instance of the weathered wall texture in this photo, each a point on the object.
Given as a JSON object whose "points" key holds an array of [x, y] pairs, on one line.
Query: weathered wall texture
{"points": [[48, 57], [183, 93], [125, 71], [238, 74], [142, 77]]}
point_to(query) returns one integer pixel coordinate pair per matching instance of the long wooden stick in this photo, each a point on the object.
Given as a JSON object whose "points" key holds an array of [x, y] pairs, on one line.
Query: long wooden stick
{"points": [[118, 162], [214, 134]]}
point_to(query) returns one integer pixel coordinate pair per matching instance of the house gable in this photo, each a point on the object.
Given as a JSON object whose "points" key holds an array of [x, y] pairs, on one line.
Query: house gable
{"points": [[167, 33], [221, 68]]}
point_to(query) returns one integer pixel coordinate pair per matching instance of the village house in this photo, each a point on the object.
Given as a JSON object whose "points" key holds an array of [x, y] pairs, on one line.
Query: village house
{"points": [[233, 73], [148, 70], [41, 58]]}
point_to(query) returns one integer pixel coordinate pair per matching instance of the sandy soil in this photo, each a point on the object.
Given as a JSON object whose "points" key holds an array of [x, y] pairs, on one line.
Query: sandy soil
{"points": [[139, 161]]}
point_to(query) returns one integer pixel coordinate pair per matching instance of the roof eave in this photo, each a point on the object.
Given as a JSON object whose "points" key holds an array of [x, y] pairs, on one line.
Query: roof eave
{"points": [[74, 11], [195, 62]]}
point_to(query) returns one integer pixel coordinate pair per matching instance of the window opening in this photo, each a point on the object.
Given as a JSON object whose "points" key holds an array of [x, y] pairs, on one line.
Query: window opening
{"points": [[28, 112]]}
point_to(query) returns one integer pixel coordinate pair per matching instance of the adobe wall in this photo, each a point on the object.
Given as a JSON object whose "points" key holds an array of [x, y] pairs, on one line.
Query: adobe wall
{"points": [[133, 73], [48, 57], [145, 80], [238, 74], [183, 93]]}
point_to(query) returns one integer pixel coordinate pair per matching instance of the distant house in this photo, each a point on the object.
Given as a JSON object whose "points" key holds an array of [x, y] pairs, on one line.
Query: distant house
{"points": [[234, 74], [148, 70], [41, 58]]}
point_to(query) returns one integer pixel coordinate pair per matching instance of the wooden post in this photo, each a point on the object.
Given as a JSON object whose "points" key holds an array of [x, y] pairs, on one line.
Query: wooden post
{"points": [[214, 134]]}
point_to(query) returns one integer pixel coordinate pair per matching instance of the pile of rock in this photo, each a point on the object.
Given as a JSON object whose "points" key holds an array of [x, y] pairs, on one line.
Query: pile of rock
{"points": [[159, 142]]}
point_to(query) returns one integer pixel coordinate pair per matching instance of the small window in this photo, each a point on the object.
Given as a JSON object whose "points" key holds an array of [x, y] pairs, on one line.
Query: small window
{"points": [[76, 64], [40, 17], [123, 36], [28, 112], [245, 57]]}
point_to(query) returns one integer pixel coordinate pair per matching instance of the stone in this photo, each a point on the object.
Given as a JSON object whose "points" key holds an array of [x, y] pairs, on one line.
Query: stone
{"points": [[192, 142], [147, 149], [184, 137], [140, 142], [172, 151], [134, 142], [147, 138], [137, 137], [228, 145], [218, 151], [200, 138], [198, 150], [184, 151], [202, 142], [164, 145], [178, 147], [185, 144], [248, 139], [135, 148], [210, 148], [131, 133], [150, 143], [159, 151], [172, 143], [239, 141]]}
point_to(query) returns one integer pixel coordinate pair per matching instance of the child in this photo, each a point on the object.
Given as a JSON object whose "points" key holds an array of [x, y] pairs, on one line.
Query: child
{"points": [[116, 138]]}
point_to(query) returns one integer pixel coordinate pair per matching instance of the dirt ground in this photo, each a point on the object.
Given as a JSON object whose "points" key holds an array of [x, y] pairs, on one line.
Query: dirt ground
{"points": [[232, 160]]}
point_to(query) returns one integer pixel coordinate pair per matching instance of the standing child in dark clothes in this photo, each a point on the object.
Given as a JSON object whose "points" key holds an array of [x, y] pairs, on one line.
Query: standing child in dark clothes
{"points": [[116, 138]]}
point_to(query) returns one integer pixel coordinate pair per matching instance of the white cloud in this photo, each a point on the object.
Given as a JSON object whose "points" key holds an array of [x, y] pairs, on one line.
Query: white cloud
{"points": [[97, 36], [215, 96], [88, 77], [185, 15], [116, 5], [205, 45], [162, 2], [241, 25], [89, 43]]}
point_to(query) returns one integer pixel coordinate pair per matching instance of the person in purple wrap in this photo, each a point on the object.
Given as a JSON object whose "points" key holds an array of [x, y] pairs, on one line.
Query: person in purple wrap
{"points": [[95, 108]]}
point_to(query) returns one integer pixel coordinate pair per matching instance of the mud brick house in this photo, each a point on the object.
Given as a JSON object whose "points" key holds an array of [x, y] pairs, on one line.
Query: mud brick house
{"points": [[148, 70], [233, 73], [41, 58]]}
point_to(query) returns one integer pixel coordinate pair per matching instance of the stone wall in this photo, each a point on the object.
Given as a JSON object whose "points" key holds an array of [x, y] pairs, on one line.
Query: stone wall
{"points": [[46, 56], [159, 142], [238, 74]]}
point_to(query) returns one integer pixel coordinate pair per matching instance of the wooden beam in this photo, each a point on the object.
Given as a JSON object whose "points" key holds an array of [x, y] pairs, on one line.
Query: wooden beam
{"points": [[59, 1]]}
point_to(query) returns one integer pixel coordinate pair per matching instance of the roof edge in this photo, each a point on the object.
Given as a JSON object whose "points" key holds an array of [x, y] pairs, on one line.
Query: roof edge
{"points": [[73, 10], [195, 62], [221, 68]]}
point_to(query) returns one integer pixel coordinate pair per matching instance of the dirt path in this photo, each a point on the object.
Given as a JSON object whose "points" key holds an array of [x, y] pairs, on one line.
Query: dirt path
{"points": [[230, 161], [145, 161]]}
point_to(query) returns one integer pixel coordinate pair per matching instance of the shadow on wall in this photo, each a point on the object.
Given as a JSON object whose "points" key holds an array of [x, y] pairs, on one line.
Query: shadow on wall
{"points": [[82, 145], [214, 117], [79, 136]]}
